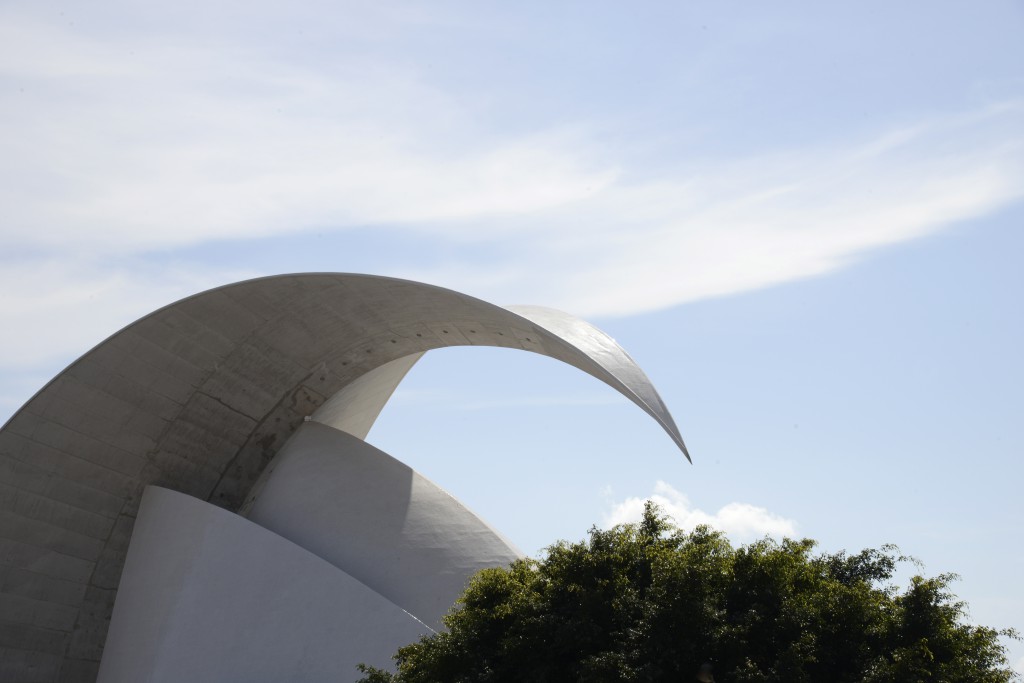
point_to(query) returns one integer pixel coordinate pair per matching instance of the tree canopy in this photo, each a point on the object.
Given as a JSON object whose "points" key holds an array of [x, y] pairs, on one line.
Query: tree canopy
{"points": [[649, 602]]}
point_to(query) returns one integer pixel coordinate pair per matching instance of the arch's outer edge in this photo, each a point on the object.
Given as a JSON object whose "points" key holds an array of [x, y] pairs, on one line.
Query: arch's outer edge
{"points": [[197, 397], [355, 408], [625, 374]]}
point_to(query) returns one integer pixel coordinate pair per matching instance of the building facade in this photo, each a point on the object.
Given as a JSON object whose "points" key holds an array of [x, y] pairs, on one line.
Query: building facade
{"points": [[193, 499]]}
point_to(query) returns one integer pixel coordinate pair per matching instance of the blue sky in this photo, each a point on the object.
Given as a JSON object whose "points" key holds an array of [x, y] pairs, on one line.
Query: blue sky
{"points": [[802, 219]]}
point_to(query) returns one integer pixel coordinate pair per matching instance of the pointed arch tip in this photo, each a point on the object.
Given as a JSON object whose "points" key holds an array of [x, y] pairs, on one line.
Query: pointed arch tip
{"points": [[682, 447], [677, 439], [616, 368]]}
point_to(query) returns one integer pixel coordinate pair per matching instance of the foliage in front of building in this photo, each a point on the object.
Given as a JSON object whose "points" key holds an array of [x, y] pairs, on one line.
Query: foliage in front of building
{"points": [[647, 602]]}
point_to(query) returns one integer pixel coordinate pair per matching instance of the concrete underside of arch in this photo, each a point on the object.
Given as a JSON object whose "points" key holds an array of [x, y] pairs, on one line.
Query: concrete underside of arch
{"points": [[198, 398]]}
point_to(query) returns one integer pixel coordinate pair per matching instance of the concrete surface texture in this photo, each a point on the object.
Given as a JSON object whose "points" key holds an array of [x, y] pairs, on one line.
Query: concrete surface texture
{"points": [[208, 596], [198, 397], [377, 519]]}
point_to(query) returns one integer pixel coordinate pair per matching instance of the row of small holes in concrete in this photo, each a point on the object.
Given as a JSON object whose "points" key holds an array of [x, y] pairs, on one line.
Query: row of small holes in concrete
{"points": [[394, 341]]}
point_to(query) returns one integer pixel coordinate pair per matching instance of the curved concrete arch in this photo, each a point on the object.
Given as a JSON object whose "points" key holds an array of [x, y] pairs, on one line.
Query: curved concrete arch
{"points": [[355, 408], [198, 397]]}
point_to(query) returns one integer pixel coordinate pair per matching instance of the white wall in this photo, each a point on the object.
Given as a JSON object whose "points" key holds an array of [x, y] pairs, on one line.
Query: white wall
{"points": [[207, 595], [378, 520]]}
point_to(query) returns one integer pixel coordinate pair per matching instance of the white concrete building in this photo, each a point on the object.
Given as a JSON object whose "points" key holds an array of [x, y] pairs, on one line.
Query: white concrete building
{"points": [[193, 500]]}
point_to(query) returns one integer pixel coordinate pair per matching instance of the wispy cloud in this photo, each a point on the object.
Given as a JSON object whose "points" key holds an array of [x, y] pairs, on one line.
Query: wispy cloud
{"points": [[741, 521], [742, 224], [118, 147], [176, 146], [56, 310]]}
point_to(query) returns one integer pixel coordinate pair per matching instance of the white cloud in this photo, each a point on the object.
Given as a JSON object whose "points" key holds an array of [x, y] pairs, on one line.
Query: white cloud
{"points": [[143, 142], [741, 521], [740, 225], [140, 142], [231, 145], [54, 310]]}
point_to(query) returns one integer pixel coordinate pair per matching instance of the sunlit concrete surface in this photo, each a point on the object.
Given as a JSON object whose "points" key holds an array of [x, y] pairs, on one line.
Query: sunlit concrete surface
{"points": [[374, 517], [198, 397], [209, 596]]}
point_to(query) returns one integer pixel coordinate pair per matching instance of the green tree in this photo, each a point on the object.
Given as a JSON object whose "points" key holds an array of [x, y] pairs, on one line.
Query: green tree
{"points": [[647, 602]]}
